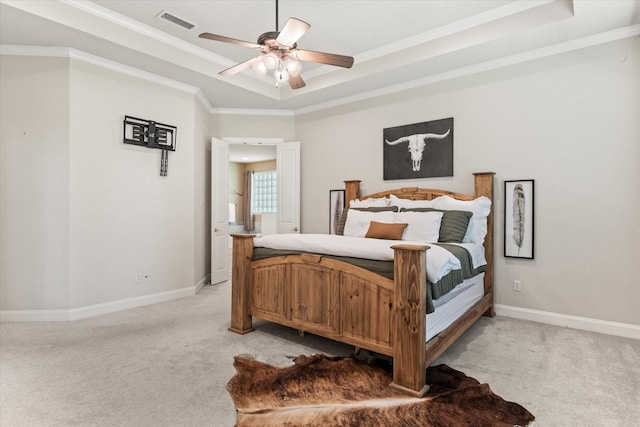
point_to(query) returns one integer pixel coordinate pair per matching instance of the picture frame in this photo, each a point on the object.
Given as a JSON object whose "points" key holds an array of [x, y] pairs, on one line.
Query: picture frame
{"points": [[419, 150], [336, 207], [519, 220]]}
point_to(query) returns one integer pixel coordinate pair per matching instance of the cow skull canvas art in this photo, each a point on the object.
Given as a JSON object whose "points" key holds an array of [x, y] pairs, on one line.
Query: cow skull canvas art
{"points": [[420, 150]]}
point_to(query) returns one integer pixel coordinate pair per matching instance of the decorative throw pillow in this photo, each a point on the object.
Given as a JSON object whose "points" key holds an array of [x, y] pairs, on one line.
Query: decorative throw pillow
{"points": [[358, 221], [422, 226], [343, 216], [453, 225], [388, 231], [481, 207]]}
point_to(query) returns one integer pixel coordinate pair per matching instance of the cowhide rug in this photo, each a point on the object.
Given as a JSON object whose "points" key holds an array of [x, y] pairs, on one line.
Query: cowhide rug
{"points": [[341, 391]]}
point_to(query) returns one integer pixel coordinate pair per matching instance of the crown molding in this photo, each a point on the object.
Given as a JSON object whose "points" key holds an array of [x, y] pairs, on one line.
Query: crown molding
{"points": [[460, 26], [65, 52], [252, 112], [531, 55]]}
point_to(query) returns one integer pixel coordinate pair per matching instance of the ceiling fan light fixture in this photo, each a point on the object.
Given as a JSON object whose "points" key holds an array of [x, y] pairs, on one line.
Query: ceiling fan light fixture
{"points": [[293, 67], [260, 68], [271, 61]]}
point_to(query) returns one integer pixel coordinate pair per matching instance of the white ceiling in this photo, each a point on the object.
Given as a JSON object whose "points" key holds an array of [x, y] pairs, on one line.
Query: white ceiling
{"points": [[251, 152], [397, 44]]}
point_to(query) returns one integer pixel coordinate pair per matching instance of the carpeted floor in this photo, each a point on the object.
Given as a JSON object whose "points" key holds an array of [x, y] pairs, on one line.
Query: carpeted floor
{"points": [[168, 365]]}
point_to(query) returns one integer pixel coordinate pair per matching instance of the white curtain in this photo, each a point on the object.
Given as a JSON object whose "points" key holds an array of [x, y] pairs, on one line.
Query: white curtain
{"points": [[248, 214]]}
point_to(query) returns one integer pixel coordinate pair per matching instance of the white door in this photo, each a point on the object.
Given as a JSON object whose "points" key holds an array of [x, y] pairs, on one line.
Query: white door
{"points": [[219, 210], [288, 167]]}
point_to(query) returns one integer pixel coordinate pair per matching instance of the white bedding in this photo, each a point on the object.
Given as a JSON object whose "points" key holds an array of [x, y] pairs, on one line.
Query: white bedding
{"points": [[439, 261], [454, 304]]}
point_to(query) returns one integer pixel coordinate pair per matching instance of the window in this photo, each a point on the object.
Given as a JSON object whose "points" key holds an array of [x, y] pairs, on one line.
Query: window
{"points": [[263, 192]]}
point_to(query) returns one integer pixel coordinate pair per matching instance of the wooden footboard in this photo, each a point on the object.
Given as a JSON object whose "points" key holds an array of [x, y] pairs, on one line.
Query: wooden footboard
{"points": [[323, 296], [339, 301], [352, 305]]}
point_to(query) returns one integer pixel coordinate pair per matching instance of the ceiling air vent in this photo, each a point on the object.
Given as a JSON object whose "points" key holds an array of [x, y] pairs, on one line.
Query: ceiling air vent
{"points": [[170, 17]]}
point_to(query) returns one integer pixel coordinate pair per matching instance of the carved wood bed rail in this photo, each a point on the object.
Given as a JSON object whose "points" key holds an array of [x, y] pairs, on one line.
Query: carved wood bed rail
{"points": [[355, 306]]}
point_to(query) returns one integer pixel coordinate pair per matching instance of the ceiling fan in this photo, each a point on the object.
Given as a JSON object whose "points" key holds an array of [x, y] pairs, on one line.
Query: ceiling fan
{"points": [[279, 52]]}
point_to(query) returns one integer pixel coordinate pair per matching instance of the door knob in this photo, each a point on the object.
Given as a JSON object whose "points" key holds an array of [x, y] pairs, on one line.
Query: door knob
{"points": [[216, 229], [294, 229]]}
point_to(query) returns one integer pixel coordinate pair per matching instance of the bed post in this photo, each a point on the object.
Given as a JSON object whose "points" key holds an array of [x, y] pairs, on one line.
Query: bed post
{"points": [[352, 191], [409, 319], [242, 256], [484, 187]]}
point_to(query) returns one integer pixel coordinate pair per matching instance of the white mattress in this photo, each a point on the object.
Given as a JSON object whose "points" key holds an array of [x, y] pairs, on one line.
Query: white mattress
{"points": [[454, 304]]}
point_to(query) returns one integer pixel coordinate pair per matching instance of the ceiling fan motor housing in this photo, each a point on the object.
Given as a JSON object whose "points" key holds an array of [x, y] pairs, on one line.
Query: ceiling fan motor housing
{"points": [[268, 40]]}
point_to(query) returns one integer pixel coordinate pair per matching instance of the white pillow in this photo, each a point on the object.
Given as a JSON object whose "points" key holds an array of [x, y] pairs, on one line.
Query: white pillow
{"points": [[369, 203], [358, 222], [407, 203], [477, 229], [423, 226]]}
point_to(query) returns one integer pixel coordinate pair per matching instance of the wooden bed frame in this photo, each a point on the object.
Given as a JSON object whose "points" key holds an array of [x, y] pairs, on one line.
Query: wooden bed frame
{"points": [[355, 306]]}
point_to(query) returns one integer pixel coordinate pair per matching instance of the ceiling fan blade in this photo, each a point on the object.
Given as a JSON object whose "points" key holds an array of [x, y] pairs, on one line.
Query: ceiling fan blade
{"points": [[296, 82], [292, 31], [240, 67], [324, 58], [229, 40]]}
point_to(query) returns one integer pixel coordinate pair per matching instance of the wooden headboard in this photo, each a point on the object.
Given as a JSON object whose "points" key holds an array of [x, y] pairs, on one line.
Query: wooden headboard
{"points": [[483, 186]]}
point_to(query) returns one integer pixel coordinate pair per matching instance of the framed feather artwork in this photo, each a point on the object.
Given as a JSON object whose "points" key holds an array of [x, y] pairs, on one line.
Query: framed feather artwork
{"points": [[518, 219], [336, 206]]}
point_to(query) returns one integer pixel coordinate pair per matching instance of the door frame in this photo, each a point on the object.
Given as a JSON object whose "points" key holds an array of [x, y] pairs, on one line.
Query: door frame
{"points": [[240, 140]]}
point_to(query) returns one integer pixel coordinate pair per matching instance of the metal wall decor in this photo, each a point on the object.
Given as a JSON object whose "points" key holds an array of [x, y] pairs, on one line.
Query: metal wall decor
{"points": [[150, 134], [419, 150]]}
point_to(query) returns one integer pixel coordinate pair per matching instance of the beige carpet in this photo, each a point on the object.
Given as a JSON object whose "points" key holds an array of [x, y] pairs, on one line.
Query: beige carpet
{"points": [[168, 365]]}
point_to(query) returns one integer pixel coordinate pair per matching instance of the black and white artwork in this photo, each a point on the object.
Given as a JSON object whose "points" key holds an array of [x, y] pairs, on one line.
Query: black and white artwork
{"points": [[336, 206], [419, 150], [518, 219]]}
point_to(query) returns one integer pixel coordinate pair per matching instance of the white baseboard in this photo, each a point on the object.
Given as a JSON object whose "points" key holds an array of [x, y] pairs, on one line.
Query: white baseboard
{"points": [[99, 309], [34, 315], [206, 279], [576, 322]]}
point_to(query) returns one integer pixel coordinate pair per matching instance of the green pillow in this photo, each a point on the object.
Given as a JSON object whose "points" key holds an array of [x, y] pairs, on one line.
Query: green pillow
{"points": [[453, 226], [343, 217]]}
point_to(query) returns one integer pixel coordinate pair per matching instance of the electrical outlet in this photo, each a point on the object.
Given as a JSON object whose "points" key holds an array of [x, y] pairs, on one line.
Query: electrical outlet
{"points": [[517, 285]]}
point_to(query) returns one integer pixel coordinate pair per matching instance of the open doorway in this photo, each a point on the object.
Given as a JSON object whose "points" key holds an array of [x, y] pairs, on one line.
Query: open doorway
{"points": [[288, 198], [249, 156]]}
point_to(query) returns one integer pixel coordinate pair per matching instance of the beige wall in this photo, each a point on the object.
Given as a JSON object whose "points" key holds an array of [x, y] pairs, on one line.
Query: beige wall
{"points": [[34, 183], [237, 173], [253, 126], [569, 122], [267, 165], [202, 193], [83, 213], [236, 187], [73, 197], [125, 217]]}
